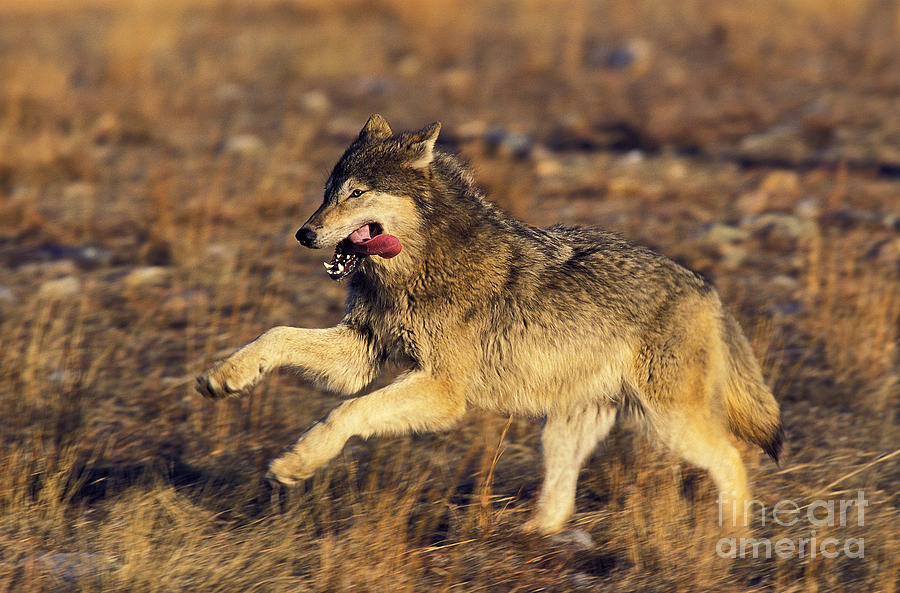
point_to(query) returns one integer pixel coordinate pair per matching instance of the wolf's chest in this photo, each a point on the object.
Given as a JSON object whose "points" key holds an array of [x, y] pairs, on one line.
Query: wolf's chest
{"points": [[400, 330]]}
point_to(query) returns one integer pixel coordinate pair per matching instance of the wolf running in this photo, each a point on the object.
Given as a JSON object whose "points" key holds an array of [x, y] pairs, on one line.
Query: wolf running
{"points": [[572, 325]]}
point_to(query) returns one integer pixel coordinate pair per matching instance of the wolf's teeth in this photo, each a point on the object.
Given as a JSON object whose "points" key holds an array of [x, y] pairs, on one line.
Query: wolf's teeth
{"points": [[327, 265], [340, 268]]}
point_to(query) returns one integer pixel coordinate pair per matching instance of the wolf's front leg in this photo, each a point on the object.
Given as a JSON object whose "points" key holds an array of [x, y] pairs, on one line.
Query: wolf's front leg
{"points": [[568, 439], [339, 358], [416, 401]]}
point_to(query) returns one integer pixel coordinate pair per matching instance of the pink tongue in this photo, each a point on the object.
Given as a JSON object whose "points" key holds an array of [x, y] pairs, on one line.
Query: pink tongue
{"points": [[385, 245]]}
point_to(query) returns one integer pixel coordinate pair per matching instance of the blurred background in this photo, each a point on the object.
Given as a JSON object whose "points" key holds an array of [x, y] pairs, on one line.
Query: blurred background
{"points": [[157, 156]]}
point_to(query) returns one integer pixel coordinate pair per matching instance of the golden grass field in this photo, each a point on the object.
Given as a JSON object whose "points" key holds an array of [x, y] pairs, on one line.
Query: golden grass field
{"points": [[156, 158]]}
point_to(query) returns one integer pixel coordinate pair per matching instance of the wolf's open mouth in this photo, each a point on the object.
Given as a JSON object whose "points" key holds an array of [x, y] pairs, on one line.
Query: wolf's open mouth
{"points": [[366, 240]]}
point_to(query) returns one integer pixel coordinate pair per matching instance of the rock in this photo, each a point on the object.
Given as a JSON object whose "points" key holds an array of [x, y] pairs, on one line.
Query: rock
{"points": [[507, 143], [783, 144], [780, 182], [751, 203], [788, 309], [633, 56], [180, 303], [93, 256], [780, 231], [775, 188], [573, 131], [732, 256], [518, 145], [474, 129], [408, 65], [808, 208], [675, 170], [60, 288], [79, 191], [54, 268], [7, 296], [632, 157], [891, 222], [458, 82], [113, 127], [619, 58], [623, 185], [545, 164], [60, 376], [147, 276], [60, 259], [583, 580], [576, 539], [229, 93], [316, 101], [244, 145], [369, 86], [220, 252], [106, 128], [847, 218], [784, 283], [342, 127], [723, 241], [73, 566], [719, 232]]}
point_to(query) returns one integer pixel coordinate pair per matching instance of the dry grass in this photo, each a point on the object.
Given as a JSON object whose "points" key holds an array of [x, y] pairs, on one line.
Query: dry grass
{"points": [[156, 158]]}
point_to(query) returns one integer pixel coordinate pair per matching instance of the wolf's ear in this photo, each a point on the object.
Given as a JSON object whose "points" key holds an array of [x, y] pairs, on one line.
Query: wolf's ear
{"points": [[376, 128], [421, 145]]}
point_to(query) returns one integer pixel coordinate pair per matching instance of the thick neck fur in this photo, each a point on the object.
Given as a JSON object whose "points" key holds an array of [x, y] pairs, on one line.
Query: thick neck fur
{"points": [[457, 227]]}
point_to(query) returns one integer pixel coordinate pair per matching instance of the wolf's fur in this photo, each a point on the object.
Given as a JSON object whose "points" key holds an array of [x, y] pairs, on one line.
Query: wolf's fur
{"points": [[571, 324]]}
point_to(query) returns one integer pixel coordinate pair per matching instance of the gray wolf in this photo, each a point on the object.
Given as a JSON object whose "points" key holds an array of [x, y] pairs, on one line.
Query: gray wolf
{"points": [[572, 325]]}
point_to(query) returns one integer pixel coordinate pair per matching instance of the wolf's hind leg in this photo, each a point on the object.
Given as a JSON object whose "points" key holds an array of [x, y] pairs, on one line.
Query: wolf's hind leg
{"points": [[704, 442], [568, 440], [414, 402], [338, 358]]}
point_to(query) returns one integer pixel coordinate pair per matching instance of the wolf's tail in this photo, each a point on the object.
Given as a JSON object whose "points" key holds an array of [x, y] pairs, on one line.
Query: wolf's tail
{"points": [[750, 407]]}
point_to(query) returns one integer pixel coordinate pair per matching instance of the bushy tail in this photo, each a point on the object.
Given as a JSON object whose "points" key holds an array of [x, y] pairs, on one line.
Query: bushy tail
{"points": [[750, 407]]}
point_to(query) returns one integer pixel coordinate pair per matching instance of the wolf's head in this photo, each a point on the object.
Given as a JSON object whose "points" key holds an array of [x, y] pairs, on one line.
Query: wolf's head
{"points": [[369, 206]]}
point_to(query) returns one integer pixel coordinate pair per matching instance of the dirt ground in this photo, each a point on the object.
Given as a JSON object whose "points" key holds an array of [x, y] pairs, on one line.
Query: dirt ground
{"points": [[157, 156]]}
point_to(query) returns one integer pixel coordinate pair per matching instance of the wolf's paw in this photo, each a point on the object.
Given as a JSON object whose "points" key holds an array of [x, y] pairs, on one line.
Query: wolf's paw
{"points": [[228, 378], [571, 538], [574, 539], [289, 470]]}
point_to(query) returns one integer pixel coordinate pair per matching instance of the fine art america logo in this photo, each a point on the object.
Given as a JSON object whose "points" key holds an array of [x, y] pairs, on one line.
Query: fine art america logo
{"points": [[816, 515]]}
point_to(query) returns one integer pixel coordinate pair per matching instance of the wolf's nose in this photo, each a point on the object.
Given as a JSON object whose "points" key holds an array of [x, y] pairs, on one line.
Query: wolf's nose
{"points": [[306, 236]]}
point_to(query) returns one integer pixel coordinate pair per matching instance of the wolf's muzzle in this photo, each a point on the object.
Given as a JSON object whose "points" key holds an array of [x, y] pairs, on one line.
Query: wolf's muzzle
{"points": [[307, 237]]}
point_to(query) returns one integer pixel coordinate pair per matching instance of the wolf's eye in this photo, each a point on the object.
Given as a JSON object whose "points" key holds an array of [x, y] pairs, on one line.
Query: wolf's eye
{"points": [[356, 193]]}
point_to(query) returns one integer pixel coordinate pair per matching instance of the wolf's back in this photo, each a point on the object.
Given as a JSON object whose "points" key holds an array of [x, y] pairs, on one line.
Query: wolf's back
{"points": [[750, 407]]}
